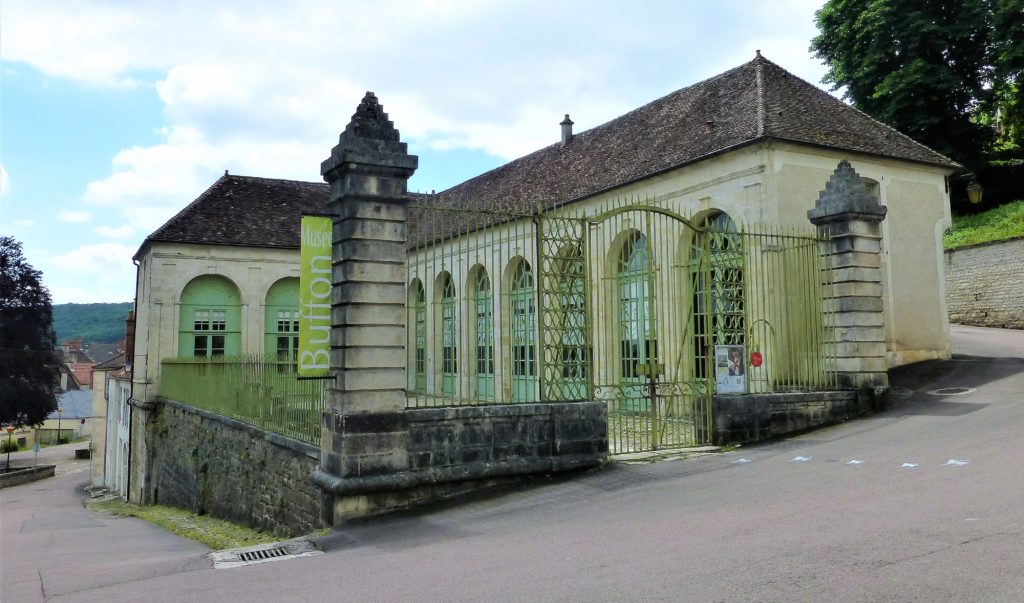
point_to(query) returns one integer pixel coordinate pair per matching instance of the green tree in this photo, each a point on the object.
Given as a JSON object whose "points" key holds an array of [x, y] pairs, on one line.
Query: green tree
{"points": [[29, 366], [929, 68]]}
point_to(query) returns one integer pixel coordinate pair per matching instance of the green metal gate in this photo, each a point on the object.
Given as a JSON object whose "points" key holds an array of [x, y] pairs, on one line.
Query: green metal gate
{"points": [[618, 297]]}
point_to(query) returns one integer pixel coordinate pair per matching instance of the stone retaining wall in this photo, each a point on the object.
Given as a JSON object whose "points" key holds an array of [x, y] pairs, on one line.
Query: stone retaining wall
{"points": [[214, 465], [757, 417], [440, 452], [984, 284]]}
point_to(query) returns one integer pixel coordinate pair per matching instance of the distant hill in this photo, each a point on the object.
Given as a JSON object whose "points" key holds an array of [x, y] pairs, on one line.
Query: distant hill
{"points": [[94, 323]]}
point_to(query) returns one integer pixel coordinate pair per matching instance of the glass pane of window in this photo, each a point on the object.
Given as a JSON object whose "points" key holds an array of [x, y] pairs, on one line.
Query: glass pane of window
{"points": [[199, 345], [217, 345]]}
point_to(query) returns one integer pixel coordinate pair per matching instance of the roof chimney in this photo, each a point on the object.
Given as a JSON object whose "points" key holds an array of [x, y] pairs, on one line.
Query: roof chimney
{"points": [[566, 130]]}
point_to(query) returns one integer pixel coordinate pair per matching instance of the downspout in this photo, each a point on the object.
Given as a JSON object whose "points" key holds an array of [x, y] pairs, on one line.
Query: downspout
{"points": [[131, 388]]}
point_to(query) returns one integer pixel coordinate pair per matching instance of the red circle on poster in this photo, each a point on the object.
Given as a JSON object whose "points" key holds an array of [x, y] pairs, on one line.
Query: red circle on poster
{"points": [[756, 359]]}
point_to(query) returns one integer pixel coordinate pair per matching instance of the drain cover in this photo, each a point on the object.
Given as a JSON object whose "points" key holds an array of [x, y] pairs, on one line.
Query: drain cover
{"points": [[252, 555], [951, 391]]}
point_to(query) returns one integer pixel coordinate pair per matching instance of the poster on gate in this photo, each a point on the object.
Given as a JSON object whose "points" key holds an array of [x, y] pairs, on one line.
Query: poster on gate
{"points": [[731, 369], [315, 297]]}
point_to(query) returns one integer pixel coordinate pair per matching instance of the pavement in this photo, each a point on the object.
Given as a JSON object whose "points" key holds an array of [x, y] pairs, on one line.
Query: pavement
{"points": [[922, 502]]}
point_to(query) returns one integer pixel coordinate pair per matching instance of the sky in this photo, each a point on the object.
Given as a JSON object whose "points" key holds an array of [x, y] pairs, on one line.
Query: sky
{"points": [[115, 115]]}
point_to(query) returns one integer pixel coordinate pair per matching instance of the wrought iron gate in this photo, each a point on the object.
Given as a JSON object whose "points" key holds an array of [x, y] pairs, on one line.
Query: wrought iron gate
{"points": [[623, 301]]}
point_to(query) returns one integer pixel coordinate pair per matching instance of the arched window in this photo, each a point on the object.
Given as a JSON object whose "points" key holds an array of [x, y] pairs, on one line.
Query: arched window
{"points": [[449, 336], [210, 318], [484, 335], [419, 336], [524, 333], [572, 330], [637, 336], [281, 323], [716, 277]]}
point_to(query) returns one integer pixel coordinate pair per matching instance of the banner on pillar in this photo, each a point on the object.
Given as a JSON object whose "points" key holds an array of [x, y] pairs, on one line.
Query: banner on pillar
{"points": [[315, 297]]}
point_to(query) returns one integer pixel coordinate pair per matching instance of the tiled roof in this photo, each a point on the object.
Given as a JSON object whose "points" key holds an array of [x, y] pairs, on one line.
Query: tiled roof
{"points": [[755, 101], [115, 362], [245, 210]]}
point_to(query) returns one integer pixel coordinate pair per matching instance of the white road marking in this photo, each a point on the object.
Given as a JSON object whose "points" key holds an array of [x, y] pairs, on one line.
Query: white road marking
{"points": [[956, 462], [741, 461], [856, 462], [800, 459], [909, 465]]}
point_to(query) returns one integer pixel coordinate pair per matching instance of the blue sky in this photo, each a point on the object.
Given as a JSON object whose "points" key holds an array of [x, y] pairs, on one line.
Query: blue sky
{"points": [[115, 115]]}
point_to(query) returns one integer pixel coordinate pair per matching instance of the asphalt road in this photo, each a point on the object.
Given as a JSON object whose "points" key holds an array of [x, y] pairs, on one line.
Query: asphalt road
{"points": [[924, 502]]}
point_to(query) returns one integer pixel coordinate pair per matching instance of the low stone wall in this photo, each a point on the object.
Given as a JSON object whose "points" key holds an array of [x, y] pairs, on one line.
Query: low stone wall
{"points": [[211, 464], [984, 287], [452, 450], [25, 475], [757, 417]]}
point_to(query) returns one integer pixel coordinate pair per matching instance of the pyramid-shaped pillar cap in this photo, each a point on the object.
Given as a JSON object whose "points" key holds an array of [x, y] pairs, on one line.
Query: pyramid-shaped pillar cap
{"points": [[847, 196], [370, 139]]}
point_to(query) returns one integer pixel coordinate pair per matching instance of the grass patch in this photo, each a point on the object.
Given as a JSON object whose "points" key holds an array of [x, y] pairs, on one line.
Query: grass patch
{"points": [[997, 224], [214, 533]]}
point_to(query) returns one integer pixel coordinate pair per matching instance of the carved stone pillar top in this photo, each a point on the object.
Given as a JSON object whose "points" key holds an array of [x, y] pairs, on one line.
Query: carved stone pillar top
{"points": [[846, 197], [369, 145]]}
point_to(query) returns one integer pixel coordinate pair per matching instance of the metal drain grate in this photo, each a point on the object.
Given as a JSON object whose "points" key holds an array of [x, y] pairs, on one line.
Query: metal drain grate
{"points": [[263, 554], [252, 555]]}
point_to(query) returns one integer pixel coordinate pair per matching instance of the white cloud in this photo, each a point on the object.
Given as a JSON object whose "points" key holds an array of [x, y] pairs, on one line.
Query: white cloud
{"points": [[74, 216], [107, 267]]}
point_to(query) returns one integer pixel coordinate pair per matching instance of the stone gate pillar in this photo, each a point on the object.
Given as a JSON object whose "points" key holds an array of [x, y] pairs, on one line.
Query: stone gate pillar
{"points": [[364, 431], [853, 216]]}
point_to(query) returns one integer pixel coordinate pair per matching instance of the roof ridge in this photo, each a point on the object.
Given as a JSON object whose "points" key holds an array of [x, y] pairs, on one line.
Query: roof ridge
{"points": [[595, 129], [288, 180]]}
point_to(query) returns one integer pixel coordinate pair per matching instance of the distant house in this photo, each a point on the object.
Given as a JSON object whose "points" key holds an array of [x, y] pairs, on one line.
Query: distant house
{"points": [[71, 418]]}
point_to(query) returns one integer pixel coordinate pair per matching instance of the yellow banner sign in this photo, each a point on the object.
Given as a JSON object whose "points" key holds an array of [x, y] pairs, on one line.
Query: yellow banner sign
{"points": [[315, 297]]}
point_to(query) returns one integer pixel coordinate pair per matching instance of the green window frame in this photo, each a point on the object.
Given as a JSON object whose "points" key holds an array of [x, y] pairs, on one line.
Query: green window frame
{"points": [[420, 338], [523, 334], [210, 318], [484, 335], [449, 337], [281, 324], [719, 316], [638, 341]]}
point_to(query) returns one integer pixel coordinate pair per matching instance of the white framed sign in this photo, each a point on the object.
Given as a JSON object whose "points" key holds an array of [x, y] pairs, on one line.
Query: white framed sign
{"points": [[731, 369]]}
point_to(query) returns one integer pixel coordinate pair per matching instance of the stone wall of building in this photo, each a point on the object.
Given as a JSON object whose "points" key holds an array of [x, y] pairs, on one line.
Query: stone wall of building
{"points": [[984, 286], [214, 465]]}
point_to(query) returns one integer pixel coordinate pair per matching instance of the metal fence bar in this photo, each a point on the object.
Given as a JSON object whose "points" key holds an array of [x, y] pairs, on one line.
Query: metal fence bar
{"points": [[253, 389]]}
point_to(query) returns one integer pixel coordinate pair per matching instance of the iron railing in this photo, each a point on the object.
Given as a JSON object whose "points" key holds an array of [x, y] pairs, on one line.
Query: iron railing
{"points": [[264, 393]]}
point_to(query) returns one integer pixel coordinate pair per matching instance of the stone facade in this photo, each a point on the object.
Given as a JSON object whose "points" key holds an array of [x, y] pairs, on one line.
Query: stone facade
{"points": [[984, 287], [214, 465]]}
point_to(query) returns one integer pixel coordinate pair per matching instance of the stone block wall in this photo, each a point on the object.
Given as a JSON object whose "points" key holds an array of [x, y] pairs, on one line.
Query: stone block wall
{"points": [[214, 465], [435, 453], [758, 417], [984, 284], [472, 440]]}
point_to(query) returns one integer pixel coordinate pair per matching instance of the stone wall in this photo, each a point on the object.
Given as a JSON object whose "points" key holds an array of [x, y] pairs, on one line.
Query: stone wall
{"points": [[984, 286], [449, 451], [757, 417], [214, 465]]}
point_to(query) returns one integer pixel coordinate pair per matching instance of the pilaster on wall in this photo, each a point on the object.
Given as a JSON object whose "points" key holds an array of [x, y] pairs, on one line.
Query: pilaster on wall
{"points": [[853, 216], [365, 432]]}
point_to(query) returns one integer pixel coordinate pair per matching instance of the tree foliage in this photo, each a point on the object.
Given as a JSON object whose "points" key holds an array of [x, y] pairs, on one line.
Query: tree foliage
{"points": [[29, 366], [932, 69]]}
